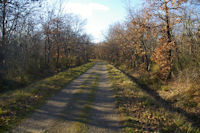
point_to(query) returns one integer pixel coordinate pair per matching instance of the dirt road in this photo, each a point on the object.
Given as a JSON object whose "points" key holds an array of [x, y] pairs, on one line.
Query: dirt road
{"points": [[86, 105]]}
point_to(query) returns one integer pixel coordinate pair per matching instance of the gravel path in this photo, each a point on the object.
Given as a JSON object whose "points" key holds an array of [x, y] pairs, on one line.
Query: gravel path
{"points": [[104, 118], [62, 113]]}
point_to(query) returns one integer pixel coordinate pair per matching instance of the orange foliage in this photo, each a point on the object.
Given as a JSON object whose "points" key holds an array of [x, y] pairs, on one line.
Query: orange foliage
{"points": [[162, 57]]}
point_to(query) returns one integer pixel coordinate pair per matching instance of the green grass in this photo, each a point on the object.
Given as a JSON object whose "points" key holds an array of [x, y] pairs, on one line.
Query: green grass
{"points": [[17, 105], [140, 112]]}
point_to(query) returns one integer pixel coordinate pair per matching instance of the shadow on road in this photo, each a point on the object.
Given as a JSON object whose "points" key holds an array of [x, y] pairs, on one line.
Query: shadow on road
{"points": [[63, 110]]}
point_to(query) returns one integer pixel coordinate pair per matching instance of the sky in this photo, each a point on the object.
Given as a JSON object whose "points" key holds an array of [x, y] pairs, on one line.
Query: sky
{"points": [[100, 14]]}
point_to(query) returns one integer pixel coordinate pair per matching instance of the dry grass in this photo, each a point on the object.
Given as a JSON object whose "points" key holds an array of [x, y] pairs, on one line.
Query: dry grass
{"points": [[141, 112], [183, 91]]}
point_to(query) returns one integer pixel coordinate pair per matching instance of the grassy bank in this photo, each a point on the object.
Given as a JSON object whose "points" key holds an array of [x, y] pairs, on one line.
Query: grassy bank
{"points": [[141, 112], [18, 104], [181, 92]]}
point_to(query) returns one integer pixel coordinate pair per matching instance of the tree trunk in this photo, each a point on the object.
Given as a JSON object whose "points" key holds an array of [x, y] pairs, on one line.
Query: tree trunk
{"points": [[58, 56], [169, 36], [167, 21], [3, 41]]}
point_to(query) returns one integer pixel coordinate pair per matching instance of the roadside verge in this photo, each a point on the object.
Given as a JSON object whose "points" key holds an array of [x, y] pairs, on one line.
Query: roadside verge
{"points": [[141, 112]]}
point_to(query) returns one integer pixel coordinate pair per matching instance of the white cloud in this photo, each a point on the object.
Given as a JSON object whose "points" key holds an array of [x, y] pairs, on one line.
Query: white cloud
{"points": [[85, 9]]}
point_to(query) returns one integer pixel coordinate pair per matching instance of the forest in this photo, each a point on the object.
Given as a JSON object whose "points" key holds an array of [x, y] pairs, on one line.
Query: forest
{"points": [[36, 43], [157, 46]]}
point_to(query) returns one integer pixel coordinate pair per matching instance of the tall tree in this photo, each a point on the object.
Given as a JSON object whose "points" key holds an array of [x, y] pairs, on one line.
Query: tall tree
{"points": [[167, 12]]}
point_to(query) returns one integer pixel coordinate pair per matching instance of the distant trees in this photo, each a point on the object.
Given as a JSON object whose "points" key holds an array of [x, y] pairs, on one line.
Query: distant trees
{"points": [[36, 43]]}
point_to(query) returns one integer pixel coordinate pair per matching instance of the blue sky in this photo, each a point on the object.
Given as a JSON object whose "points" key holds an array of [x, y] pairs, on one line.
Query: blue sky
{"points": [[100, 14]]}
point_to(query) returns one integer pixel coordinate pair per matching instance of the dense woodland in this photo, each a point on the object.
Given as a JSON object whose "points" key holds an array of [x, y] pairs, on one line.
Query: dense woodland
{"points": [[38, 40]]}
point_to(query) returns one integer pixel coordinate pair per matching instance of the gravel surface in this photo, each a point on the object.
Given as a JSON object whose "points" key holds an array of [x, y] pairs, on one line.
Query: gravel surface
{"points": [[104, 118], [61, 114]]}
